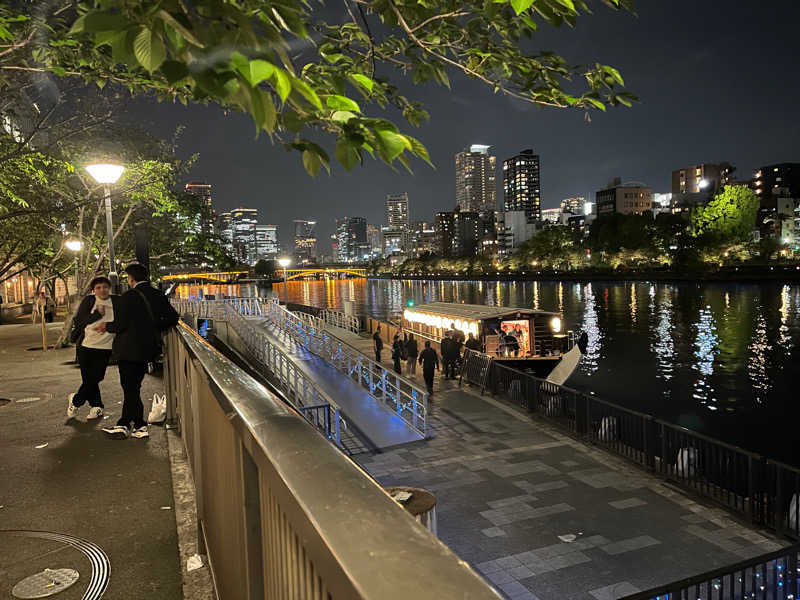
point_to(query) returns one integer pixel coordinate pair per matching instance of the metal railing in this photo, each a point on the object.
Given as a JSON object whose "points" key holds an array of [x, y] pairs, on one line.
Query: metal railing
{"points": [[281, 512], [765, 491], [770, 576], [298, 389], [338, 319], [401, 396]]}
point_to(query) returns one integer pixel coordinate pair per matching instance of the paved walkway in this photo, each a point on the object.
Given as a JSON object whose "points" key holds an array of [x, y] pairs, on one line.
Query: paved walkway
{"points": [[67, 477], [545, 517], [375, 422]]}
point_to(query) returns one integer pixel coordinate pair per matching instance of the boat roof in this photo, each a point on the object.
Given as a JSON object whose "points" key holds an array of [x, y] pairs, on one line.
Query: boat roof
{"points": [[478, 312]]}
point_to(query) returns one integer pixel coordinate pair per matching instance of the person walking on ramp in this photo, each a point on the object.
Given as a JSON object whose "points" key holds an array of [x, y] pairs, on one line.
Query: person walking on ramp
{"points": [[429, 361]]}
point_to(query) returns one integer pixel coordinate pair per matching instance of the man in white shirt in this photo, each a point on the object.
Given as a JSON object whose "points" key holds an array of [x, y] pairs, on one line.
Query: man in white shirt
{"points": [[94, 347]]}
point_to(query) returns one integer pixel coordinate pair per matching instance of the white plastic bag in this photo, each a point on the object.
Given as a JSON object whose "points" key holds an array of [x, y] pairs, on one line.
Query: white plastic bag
{"points": [[158, 411]]}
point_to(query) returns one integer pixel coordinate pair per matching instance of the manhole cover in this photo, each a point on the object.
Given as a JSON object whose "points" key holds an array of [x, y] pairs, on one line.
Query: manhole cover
{"points": [[47, 583]]}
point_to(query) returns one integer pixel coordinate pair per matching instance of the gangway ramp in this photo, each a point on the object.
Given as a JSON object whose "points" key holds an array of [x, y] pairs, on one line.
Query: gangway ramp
{"points": [[375, 422]]}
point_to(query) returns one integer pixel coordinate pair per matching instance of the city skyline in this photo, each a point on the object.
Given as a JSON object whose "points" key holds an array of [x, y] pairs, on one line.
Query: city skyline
{"points": [[691, 112]]}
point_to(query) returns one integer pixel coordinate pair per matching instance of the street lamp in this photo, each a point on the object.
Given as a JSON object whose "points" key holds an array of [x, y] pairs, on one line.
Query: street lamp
{"points": [[74, 245], [285, 262], [108, 174]]}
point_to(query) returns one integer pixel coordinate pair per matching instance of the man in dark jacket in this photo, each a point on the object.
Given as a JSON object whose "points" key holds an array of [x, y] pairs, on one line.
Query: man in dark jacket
{"points": [[377, 343], [473, 343], [429, 361], [446, 348], [144, 312]]}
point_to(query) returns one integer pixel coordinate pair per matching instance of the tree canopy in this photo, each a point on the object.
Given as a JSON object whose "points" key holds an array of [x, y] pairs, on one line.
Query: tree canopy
{"points": [[728, 218], [308, 74]]}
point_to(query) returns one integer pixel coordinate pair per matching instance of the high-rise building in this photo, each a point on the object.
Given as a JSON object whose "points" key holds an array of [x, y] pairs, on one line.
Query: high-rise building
{"points": [[522, 184], [243, 234], [770, 183], [374, 240], [551, 215], [444, 227], [266, 242], [305, 242], [202, 191], [222, 226], [397, 210], [351, 240], [475, 179], [574, 206], [467, 233], [706, 178], [629, 198]]}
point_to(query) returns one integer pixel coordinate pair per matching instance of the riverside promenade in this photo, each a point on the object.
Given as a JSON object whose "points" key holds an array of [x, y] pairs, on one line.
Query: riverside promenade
{"points": [[544, 516], [66, 477]]}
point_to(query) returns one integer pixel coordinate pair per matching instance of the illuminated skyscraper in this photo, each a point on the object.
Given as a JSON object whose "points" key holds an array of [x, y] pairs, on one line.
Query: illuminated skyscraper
{"points": [[522, 185], [475, 179], [203, 191], [305, 242]]}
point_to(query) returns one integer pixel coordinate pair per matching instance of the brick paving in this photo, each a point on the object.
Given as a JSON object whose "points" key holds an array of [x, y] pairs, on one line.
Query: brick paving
{"points": [[543, 516]]}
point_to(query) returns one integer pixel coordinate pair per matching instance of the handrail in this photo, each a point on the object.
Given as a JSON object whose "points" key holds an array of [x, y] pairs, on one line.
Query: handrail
{"points": [[781, 584], [402, 396], [282, 513], [341, 320]]}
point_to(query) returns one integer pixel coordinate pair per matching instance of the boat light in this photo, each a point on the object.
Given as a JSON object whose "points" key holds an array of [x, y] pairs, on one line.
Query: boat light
{"points": [[555, 324]]}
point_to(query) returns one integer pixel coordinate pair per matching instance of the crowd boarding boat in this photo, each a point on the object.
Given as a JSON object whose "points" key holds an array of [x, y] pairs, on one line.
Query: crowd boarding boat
{"points": [[522, 338]]}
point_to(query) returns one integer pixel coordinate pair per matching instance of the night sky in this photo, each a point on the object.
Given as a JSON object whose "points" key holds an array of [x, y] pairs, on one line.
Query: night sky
{"points": [[717, 81]]}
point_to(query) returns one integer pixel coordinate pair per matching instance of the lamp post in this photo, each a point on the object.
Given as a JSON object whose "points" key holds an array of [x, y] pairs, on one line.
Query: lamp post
{"points": [[74, 245], [107, 174], [285, 262]]}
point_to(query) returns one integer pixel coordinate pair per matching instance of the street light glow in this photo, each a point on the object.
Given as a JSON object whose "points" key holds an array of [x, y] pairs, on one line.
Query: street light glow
{"points": [[74, 245], [704, 183], [284, 262], [106, 172]]}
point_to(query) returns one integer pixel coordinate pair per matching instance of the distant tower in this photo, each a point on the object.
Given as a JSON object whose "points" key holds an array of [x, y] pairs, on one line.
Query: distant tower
{"points": [[305, 242], [202, 191], [475, 179], [522, 184]]}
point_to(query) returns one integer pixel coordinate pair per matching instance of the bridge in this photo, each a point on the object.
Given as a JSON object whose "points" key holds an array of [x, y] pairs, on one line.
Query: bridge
{"points": [[326, 272], [216, 276]]}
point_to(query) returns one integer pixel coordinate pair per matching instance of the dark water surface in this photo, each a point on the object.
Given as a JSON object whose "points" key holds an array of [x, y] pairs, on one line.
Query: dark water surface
{"points": [[718, 358]]}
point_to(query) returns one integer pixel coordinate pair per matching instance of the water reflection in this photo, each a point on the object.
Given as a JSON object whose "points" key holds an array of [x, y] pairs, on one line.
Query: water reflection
{"points": [[589, 324], [705, 344]]}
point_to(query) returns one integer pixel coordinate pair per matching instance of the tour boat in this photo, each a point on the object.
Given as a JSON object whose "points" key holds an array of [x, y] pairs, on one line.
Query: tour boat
{"points": [[522, 338]]}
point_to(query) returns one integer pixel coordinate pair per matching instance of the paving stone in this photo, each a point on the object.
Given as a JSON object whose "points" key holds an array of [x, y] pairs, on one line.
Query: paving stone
{"points": [[546, 487], [614, 591], [508, 562], [637, 543], [514, 588], [569, 463], [493, 532], [567, 560], [627, 503], [500, 577], [521, 572], [512, 500]]}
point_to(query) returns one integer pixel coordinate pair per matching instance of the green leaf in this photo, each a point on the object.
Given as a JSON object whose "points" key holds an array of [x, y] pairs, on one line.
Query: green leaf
{"points": [[178, 26], [174, 71], [282, 83], [393, 143], [270, 114], [529, 22], [614, 73], [567, 3], [363, 81], [336, 102], [596, 103], [103, 21], [520, 6], [149, 50], [347, 153], [311, 162], [305, 90], [77, 27], [343, 116], [254, 71], [419, 149]]}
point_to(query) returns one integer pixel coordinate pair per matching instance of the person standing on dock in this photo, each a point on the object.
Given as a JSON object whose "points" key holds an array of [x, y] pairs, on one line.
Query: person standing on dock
{"points": [[446, 348], [377, 343], [412, 352], [398, 352], [430, 362]]}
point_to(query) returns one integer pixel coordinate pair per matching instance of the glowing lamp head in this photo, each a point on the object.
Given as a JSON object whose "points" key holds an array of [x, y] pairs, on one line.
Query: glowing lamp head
{"points": [[555, 324], [105, 173], [284, 262], [73, 245], [704, 183]]}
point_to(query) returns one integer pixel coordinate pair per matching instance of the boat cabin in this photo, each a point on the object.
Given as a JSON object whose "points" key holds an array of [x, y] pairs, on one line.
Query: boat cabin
{"points": [[507, 334]]}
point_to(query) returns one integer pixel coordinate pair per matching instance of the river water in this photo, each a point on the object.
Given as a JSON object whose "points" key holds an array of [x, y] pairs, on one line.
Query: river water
{"points": [[718, 358]]}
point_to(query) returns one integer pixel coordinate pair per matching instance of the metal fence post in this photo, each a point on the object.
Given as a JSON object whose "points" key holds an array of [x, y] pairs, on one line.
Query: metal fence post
{"points": [[414, 406]]}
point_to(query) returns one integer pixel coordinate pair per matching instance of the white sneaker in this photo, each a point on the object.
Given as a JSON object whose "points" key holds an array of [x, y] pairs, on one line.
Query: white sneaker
{"points": [[95, 412], [141, 433], [117, 431], [72, 410]]}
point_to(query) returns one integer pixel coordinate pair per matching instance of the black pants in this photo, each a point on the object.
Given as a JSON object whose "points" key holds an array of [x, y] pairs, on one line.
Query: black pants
{"points": [[130, 376], [427, 375], [93, 364], [377, 356]]}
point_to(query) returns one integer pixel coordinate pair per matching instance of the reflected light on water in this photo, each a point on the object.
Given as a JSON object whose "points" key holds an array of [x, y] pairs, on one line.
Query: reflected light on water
{"points": [[589, 324], [759, 350], [705, 349]]}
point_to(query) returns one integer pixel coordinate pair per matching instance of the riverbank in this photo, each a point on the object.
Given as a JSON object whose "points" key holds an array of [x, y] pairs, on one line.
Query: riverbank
{"points": [[777, 273]]}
